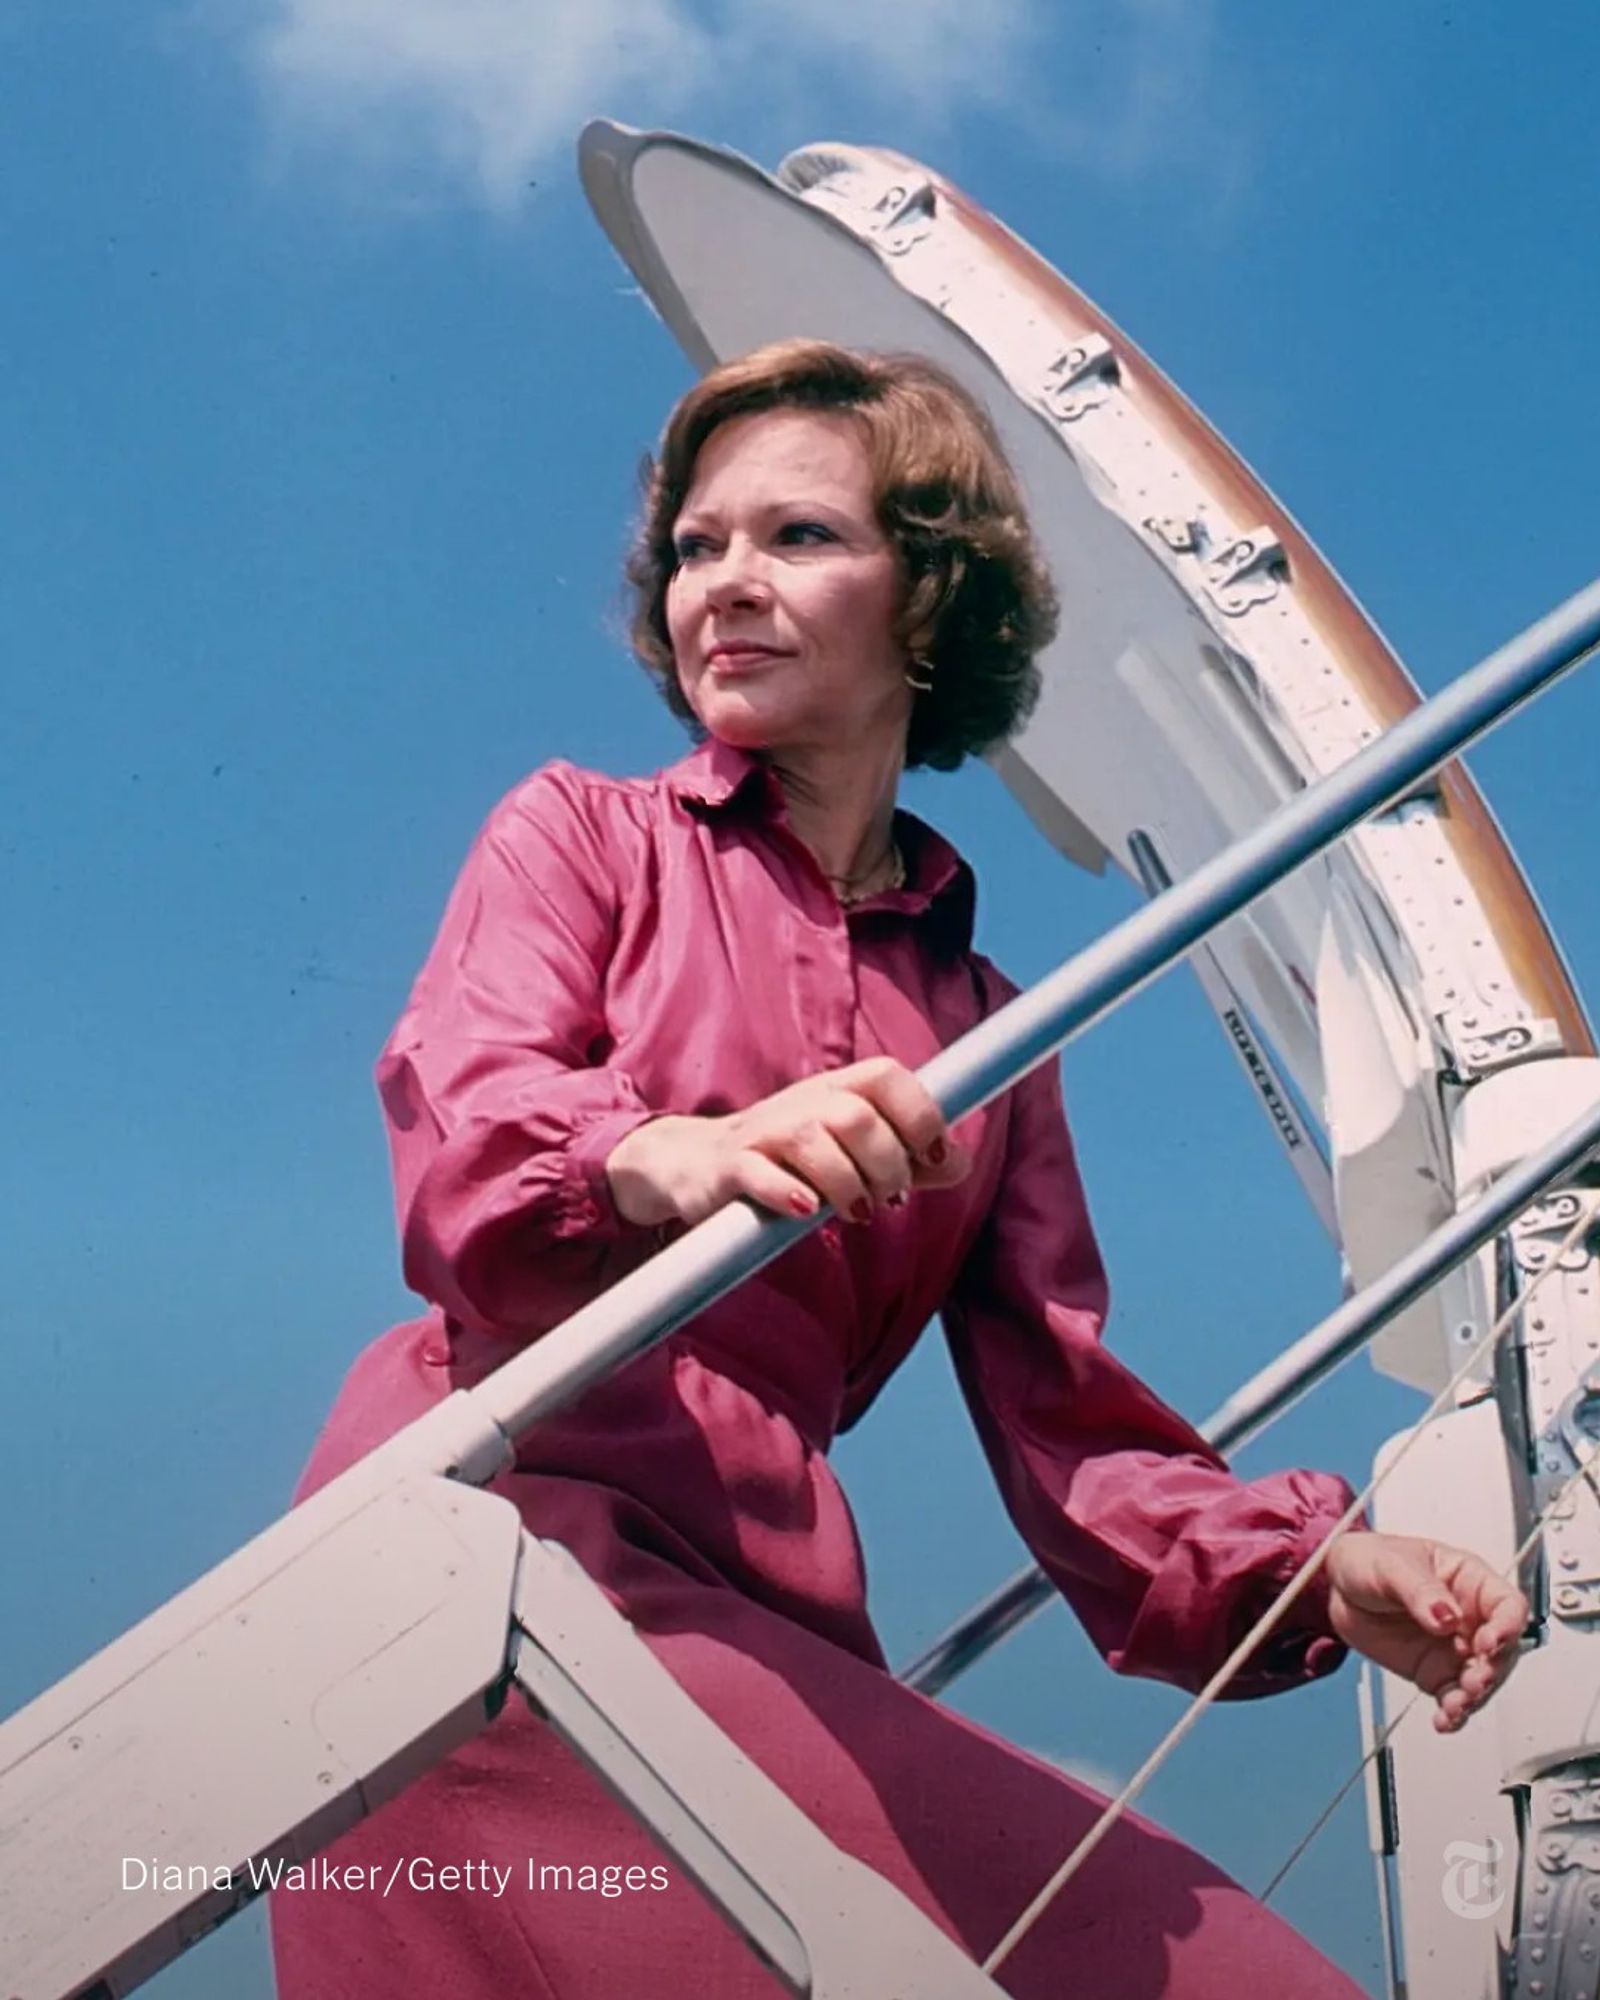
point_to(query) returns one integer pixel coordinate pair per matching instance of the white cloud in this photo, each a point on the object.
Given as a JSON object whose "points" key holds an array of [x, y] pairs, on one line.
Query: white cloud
{"points": [[1164, 77], [487, 90], [1099, 1777], [931, 55]]}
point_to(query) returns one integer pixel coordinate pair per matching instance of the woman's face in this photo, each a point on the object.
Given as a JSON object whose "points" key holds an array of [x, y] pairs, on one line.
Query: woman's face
{"points": [[781, 609]]}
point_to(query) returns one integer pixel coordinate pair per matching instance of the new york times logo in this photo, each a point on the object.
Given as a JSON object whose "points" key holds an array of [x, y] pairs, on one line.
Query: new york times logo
{"points": [[1472, 1887]]}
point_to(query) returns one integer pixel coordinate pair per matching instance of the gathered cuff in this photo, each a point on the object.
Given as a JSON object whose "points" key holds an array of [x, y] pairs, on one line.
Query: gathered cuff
{"points": [[583, 1204], [1306, 1647]]}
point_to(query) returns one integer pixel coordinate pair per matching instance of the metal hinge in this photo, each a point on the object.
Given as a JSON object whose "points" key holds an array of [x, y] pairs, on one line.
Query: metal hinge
{"points": [[1478, 1046], [1183, 538], [903, 216], [1247, 572], [1558, 1930], [1568, 1430], [1552, 1216], [1080, 377]]}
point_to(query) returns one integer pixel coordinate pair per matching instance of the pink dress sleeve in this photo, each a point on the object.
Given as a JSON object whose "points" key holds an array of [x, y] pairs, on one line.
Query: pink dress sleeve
{"points": [[1165, 1555], [500, 1103]]}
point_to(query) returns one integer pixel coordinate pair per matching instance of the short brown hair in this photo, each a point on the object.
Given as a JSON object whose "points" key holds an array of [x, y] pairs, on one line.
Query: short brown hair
{"points": [[978, 602]]}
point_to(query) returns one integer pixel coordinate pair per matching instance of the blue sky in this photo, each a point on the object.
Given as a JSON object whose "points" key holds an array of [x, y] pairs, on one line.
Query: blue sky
{"points": [[322, 399]]}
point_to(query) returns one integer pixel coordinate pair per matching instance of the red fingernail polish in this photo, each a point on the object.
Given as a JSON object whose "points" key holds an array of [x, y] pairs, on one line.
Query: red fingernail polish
{"points": [[938, 1152], [861, 1210], [802, 1204]]}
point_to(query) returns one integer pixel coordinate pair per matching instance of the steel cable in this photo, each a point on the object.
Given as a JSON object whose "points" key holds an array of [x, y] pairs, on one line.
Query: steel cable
{"points": [[1274, 1615]]}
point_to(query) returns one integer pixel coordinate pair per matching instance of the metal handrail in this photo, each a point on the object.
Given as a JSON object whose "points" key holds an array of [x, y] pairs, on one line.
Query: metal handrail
{"points": [[689, 1275], [1285, 1379]]}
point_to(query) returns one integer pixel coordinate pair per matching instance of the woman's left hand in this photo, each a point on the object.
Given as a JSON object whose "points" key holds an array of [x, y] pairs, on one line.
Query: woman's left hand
{"points": [[1429, 1613]]}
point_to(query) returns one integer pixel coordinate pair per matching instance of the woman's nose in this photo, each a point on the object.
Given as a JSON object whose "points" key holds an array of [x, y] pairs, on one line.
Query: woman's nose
{"points": [[736, 577]]}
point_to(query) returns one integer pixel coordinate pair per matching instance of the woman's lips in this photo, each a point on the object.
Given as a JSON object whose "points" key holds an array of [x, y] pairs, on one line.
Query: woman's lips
{"points": [[730, 660]]}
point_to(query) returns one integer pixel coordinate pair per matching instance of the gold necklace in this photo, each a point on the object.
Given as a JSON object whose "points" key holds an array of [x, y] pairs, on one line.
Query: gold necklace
{"points": [[848, 895]]}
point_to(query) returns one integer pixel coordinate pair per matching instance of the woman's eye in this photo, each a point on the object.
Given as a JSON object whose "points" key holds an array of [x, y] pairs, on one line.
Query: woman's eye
{"points": [[794, 534]]}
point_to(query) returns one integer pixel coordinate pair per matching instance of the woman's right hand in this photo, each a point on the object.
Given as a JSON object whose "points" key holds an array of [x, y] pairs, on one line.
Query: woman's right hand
{"points": [[855, 1138]]}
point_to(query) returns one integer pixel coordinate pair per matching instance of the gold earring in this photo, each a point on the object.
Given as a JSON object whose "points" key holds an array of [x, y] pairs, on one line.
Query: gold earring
{"points": [[922, 687]]}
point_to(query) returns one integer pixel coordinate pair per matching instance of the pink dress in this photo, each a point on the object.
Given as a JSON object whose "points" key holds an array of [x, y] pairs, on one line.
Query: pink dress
{"points": [[617, 948]]}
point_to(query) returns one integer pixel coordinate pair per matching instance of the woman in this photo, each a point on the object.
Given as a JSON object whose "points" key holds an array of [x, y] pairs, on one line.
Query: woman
{"points": [[650, 997]]}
